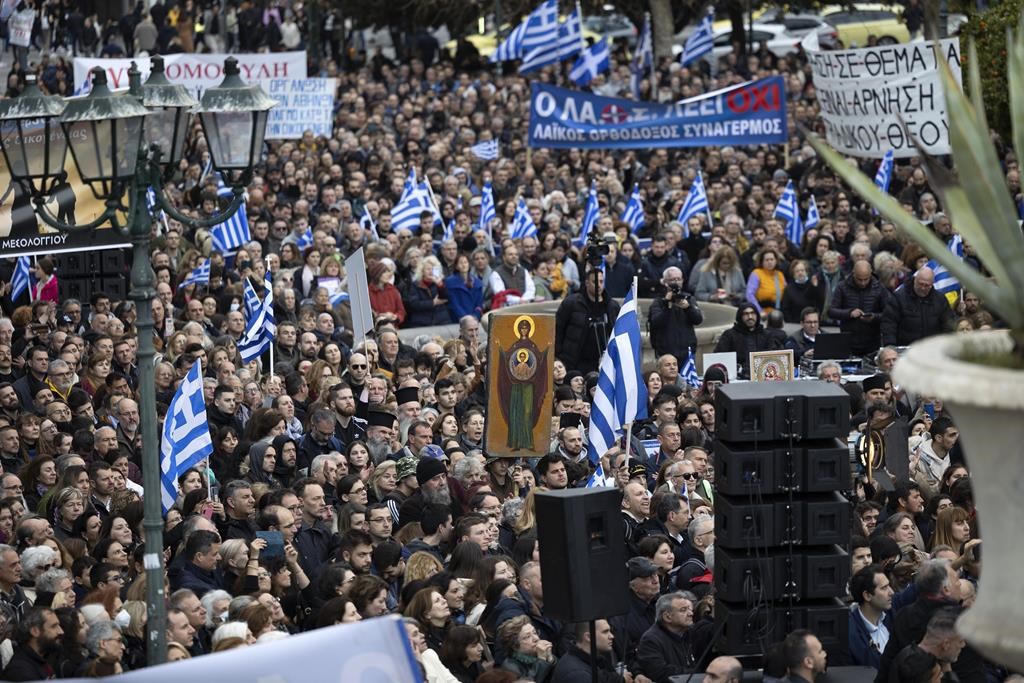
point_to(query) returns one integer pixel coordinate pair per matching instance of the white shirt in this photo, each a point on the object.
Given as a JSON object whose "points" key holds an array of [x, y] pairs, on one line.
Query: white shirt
{"points": [[879, 635], [498, 285]]}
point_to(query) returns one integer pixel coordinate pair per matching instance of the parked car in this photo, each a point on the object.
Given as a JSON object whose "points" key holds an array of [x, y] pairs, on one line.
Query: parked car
{"points": [[612, 25], [780, 40], [856, 21]]}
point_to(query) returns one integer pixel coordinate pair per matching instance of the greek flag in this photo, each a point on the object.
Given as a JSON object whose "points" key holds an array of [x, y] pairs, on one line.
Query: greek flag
{"points": [[884, 175], [538, 28], [449, 231], [696, 203], [700, 42], [788, 209], [644, 59], [569, 42], [151, 204], [621, 395], [592, 62], [232, 233], [590, 216], [406, 213], [512, 47], [186, 437], [487, 210], [522, 222], [305, 240], [261, 329], [486, 150], [250, 300], [945, 282], [813, 218], [198, 276], [339, 297], [689, 372], [20, 281], [633, 214], [596, 479], [428, 192], [367, 223]]}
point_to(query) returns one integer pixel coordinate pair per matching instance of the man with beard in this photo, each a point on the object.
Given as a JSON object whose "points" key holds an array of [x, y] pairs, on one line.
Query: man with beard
{"points": [[380, 430], [60, 378], [358, 369], [309, 347], [10, 450], [39, 634], [432, 476], [744, 337], [314, 541], [319, 439], [10, 404]]}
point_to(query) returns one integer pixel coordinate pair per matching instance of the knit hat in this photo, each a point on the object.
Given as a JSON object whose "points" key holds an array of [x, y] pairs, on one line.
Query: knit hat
{"points": [[374, 270], [716, 373], [407, 466], [428, 468]]}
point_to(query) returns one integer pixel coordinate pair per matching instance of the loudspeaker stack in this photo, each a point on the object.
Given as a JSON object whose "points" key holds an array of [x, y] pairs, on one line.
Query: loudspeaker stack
{"points": [[782, 525], [82, 273]]}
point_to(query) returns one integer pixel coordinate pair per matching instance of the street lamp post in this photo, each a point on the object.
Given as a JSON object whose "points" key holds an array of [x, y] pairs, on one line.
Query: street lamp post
{"points": [[118, 142]]}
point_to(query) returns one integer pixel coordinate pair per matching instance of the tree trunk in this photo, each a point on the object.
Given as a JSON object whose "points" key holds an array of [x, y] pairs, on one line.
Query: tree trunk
{"points": [[662, 26]]}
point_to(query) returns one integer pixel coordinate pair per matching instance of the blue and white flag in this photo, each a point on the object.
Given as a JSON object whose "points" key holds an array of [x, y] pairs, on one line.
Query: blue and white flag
{"points": [[570, 35], [522, 222], [689, 371], [186, 437], [633, 214], [700, 42], [884, 175], [487, 211], [449, 231], [250, 300], [788, 209], [305, 240], [813, 217], [696, 204], [21, 280], [621, 395], [405, 215], [596, 479], [262, 328], [590, 216], [512, 47], [368, 224], [643, 61], [232, 233], [945, 281], [339, 297], [593, 61], [568, 44], [486, 150], [428, 193], [540, 37], [198, 276]]}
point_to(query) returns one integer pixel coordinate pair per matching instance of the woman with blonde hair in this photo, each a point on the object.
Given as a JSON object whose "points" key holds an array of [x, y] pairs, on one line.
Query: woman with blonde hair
{"points": [[383, 481], [422, 565], [527, 519], [719, 280], [425, 297]]}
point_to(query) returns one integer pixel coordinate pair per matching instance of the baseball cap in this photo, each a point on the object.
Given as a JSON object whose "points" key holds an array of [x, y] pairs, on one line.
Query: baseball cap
{"points": [[640, 568]]}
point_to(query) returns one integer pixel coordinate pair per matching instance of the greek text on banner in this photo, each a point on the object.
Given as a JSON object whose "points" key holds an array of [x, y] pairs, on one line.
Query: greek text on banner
{"points": [[864, 94], [302, 104], [751, 113]]}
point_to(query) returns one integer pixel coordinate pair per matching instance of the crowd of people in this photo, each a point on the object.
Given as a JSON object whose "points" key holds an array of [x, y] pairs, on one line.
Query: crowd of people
{"points": [[368, 458]]}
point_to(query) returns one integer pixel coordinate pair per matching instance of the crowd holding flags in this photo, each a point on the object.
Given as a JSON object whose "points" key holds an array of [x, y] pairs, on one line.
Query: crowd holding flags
{"points": [[592, 62], [621, 394], [186, 437], [199, 275], [696, 204], [261, 328], [633, 214], [522, 222], [700, 42], [590, 216]]}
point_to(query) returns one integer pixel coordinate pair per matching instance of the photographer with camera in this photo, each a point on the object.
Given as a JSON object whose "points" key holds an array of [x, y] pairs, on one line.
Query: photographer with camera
{"points": [[585, 318], [672, 318]]}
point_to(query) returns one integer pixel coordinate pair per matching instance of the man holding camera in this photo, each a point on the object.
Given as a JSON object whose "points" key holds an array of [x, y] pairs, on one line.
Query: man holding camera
{"points": [[672, 318]]}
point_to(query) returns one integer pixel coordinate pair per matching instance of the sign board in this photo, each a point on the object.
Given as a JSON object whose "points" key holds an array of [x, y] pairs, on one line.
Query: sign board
{"points": [[22, 233], [752, 113], [359, 296], [20, 27], [302, 104], [520, 384], [195, 71], [865, 94]]}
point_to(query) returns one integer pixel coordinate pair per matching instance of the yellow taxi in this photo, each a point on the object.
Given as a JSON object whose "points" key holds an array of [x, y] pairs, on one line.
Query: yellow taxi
{"points": [[486, 43], [857, 21]]}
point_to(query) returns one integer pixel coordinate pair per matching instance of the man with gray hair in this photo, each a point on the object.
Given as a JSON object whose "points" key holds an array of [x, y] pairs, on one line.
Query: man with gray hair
{"points": [[693, 573], [35, 561], [666, 649], [60, 378], [105, 644], [54, 588]]}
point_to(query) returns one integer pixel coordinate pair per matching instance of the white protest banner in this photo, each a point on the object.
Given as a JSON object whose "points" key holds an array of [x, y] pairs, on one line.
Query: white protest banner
{"points": [[20, 27], [863, 94], [197, 72], [302, 104]]}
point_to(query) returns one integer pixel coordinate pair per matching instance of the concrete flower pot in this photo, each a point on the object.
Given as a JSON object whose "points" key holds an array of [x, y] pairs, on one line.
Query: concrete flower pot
{"points": [[988, 405]]}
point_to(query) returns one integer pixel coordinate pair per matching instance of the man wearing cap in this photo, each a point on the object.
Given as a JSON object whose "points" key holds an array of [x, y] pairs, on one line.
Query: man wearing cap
{"points": [[405, 487], [380, 433], [432, 477], [644, 587]]}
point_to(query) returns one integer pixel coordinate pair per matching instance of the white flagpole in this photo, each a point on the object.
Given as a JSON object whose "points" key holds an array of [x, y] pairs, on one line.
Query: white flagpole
{"points": [[579, 16], [272, 341]]}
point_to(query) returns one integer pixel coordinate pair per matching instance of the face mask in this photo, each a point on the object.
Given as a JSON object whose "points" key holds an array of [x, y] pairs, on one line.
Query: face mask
{"points": [[801, 280], [123, 619], [234, 306]]}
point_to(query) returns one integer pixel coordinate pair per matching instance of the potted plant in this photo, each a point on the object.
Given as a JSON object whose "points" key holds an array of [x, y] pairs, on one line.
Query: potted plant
{"points": [[980, 376]]}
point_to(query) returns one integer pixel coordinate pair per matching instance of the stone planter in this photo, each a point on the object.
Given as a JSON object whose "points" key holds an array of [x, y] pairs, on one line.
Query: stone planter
{"points": [[988, 406]]}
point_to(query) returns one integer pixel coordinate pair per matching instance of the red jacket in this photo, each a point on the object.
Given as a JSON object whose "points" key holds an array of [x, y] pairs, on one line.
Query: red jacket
{"points": [[387, 299]]}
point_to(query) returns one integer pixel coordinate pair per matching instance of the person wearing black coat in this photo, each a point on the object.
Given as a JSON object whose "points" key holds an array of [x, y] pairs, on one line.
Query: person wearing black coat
{"points": [[801, 292], [857, 306], [582, 325], [619, 273], [916, 311], [426, 302], [665, 649], [671, 319], [744, 337], [574, 666]]}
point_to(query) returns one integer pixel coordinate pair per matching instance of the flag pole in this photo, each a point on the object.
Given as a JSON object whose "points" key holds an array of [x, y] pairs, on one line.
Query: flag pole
{"points": [[272, 341], [629, 427], [711, 222], [579, 16]]}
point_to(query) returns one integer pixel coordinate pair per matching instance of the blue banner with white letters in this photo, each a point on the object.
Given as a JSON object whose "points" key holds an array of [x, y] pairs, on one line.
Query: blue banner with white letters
{"points": [[751, 113]]}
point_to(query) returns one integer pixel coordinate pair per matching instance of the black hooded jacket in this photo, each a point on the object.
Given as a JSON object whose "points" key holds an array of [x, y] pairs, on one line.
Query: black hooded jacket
{"points": [[743, 341]]}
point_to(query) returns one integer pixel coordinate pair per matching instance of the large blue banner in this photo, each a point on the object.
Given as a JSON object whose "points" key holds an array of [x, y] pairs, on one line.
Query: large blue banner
{"points": [[751, 113]]}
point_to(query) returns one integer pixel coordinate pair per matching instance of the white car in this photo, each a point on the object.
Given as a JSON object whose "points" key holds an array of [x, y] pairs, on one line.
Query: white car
{"points": [[781, 40]]}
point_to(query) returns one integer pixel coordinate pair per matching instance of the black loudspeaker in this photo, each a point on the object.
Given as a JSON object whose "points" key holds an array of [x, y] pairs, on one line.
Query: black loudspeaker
{"points": [[74, 288], [748, 630], [777, 575], [815, 519], [768, 411], [819, 466], [582, 554], [112, 262], [77, 264], [116, 287]]}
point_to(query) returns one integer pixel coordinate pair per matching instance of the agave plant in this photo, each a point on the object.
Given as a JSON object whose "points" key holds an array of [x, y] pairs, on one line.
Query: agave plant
{"points": [[976, 198]]}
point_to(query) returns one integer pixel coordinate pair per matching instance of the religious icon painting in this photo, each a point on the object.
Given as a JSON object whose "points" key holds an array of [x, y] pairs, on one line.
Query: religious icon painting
{"points": [[520, 386], [771, 366]]}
